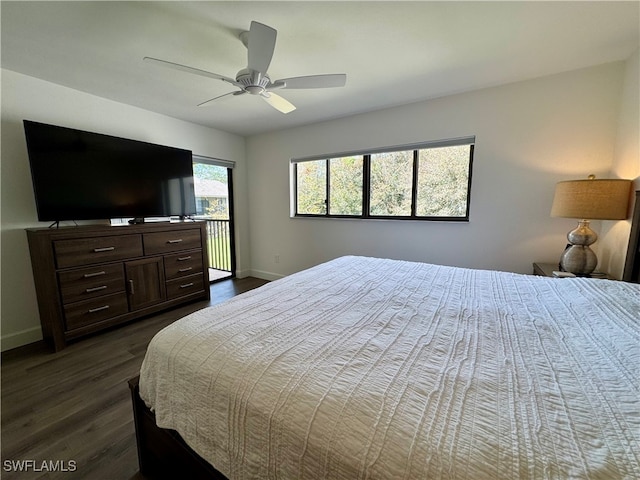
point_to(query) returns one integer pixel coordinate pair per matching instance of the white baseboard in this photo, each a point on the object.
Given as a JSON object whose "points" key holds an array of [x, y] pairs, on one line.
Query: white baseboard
{"points": [[18, 339], [243, 273], [266, 275]]}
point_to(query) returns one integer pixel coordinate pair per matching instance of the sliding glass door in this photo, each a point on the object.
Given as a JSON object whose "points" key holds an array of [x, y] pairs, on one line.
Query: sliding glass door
{"points": [[213, 181]]}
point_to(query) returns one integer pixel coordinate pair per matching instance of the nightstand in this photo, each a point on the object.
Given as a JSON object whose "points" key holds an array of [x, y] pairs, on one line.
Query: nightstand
{"points": [[547, 269]]}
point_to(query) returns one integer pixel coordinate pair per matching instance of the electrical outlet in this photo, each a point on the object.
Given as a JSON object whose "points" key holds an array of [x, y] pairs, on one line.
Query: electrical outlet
{"points": [[276, 258]]}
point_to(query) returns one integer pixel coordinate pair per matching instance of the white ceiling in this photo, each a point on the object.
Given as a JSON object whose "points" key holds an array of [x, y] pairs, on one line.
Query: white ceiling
{"points": [[392, 52]]}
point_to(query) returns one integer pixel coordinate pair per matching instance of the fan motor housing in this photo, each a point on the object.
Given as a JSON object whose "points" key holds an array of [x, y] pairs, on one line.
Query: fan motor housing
{"points": [[253, 81]]}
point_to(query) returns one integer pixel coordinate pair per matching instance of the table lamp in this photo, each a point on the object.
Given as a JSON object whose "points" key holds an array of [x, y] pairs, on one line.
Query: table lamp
{"points": [[589, 199]]}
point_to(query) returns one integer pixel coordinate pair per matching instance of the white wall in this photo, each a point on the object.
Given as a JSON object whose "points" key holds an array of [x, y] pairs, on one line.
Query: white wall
{"points": [[626, 164], [529, 135], [26, 97]]}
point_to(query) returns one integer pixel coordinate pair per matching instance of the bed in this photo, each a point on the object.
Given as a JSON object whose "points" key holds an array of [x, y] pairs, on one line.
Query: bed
{"points": [[383, 369]]}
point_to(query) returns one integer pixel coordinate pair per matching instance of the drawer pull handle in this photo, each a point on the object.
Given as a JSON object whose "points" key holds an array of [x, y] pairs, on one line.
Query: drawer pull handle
{"points": [[187, 285], [182, 259], [185, 269], [95, 274], [177, 240], [104, 249], [132, 290], [95, 289], [98, 309]]}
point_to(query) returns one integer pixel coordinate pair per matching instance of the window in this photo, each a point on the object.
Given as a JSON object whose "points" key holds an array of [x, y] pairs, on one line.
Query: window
{"points": [[429, 181], [345, 186], [391, 183], [211, 186], [443, 181], [311, 182]]}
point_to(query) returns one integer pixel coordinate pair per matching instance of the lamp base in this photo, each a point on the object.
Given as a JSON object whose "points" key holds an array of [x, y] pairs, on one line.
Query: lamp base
{"points": [[579, 259]]}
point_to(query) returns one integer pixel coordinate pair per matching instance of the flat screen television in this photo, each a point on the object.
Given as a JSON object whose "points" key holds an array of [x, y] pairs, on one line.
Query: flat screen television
{"points": [[80, 175]]}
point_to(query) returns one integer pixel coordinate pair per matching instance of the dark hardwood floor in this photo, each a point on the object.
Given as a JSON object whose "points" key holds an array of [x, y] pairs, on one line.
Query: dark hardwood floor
{"points": [[73, 407]]}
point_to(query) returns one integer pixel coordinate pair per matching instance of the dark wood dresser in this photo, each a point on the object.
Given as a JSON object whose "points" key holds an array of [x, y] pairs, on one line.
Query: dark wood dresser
{"points": [[89, 278]]}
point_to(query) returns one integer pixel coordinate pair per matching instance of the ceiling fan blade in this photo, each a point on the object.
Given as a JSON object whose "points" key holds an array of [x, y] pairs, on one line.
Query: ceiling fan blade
{"points": [[184, 68], [210, 101], [261, 44], [312, 81], [277, 102]]}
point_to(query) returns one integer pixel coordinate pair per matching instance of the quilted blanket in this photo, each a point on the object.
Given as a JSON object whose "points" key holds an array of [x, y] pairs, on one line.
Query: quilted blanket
{"points": [[364, 368]]}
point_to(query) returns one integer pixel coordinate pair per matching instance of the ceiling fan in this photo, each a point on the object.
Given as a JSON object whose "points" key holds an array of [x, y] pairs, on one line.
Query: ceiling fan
{"points": [[260, 41]]}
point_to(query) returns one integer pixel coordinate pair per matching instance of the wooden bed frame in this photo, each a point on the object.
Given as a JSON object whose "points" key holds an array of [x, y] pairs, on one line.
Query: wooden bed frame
{"points": [[162, 453]]}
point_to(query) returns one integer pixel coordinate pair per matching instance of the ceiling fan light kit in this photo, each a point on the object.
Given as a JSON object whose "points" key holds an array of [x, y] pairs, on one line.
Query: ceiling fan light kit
{"points": [[260, 41]]}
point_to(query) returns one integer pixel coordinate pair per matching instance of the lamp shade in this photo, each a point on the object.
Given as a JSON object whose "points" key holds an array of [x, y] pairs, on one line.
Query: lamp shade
{"points": [[593, 199]]}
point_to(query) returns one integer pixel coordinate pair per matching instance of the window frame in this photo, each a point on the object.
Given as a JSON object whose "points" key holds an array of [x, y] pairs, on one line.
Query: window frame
{"points": [[366, 181]]}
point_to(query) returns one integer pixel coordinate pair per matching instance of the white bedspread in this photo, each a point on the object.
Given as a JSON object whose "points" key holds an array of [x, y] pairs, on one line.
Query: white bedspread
{"points": [[369, 368]]}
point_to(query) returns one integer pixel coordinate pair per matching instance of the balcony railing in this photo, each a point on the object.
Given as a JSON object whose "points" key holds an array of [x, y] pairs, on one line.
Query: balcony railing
{"points": [[219, 244]]}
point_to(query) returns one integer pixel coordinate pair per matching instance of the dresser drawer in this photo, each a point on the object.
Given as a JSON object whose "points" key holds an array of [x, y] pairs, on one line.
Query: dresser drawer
{"points": [[173, 241], [185, 286], [86, 283], [182, 264], [85, 251], [92, 311]]}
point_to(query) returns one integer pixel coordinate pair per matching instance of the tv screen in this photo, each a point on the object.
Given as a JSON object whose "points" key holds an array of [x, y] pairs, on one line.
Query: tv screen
{"points": [[81, 175]]}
